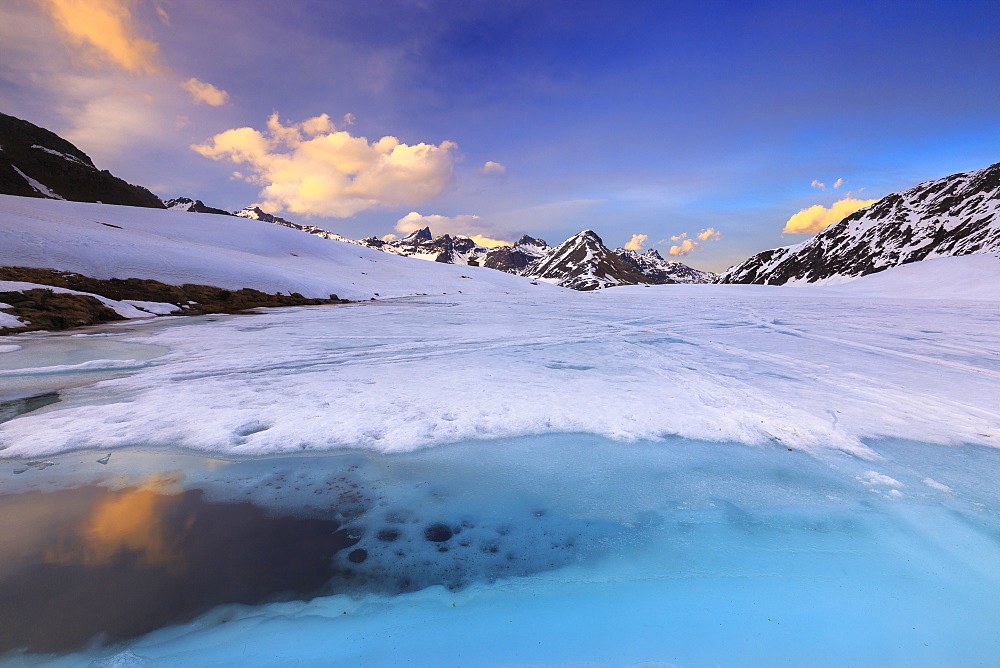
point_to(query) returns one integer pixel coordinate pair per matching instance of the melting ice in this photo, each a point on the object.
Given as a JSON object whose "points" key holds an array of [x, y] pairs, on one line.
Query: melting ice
{"points": [[689, 476]]}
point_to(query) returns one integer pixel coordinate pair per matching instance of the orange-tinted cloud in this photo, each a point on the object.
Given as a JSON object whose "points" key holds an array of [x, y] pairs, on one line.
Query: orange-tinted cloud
{"points": [[131, 519], [686, 246], [636, 242], [205, 92], [818, 218], [104, 30], [311, 168], [710, 234]]}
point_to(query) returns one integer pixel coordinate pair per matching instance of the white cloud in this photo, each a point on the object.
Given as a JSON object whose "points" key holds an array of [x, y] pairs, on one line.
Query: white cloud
{"points": [[818, 218], [637, 242], [491, 168], [311, 168], [817, 184], [838, 183], [710, 234], [205, 92]]}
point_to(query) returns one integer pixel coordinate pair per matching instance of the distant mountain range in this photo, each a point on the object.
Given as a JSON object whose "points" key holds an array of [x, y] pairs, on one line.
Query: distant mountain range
{"points": [[955, 215], [582, 262], [35, 162]]}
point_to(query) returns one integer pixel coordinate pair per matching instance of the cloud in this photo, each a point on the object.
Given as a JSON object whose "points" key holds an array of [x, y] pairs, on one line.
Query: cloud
{"points": [[462, 225], [817, 184], [818, 218], [491, 168], [313, 169], [686, 247], [636, 242], [389, 237], [488, 242], [105, 31], [838, 183], [205, 92]]}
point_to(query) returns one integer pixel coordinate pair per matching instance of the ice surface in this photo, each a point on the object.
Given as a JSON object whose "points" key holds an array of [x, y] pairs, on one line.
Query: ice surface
{"points": [[686, 553], [808, 369]]}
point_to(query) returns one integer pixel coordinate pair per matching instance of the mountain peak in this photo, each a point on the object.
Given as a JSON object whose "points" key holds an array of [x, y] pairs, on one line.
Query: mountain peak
{"points": [[954, 215], [418, 236], [583, 262]]}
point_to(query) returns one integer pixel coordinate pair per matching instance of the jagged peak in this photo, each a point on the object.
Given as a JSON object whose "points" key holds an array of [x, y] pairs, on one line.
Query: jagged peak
{"points": [[526, 240], [584, 236], [418, 236]]}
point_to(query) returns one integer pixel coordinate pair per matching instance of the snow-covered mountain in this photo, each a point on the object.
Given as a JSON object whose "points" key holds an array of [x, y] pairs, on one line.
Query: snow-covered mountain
{"points": [[955, 215], [423, 245], [35, 162], [517, 258], [255, 213], [192, 205], [652, 265], [583, 262]]}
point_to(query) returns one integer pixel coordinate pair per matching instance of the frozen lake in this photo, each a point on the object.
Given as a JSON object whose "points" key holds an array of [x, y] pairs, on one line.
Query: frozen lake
{"points": [[693, 475]]}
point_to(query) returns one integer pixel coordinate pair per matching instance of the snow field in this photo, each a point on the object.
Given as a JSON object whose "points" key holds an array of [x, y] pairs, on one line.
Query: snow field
{"points": [[177, 247], [749, 364]]}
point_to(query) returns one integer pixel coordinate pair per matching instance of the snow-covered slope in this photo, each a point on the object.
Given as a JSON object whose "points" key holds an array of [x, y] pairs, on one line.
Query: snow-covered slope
{"points": [[583, 262], [961, 277], [955, 215], [176, 247], [652, 265]]}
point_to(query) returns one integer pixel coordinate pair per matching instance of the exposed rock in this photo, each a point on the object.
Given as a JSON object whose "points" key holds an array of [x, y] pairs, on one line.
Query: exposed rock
{"points": [[45, 309], [35, 162], [192, 205]]}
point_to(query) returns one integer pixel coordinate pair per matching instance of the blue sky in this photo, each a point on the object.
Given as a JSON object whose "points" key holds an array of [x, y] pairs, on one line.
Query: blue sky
{"points": [[663, 119]]}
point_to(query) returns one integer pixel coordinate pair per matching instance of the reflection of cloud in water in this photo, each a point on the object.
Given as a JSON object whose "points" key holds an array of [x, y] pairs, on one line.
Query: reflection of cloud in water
{"points": [[87, 561], [131, 520]]}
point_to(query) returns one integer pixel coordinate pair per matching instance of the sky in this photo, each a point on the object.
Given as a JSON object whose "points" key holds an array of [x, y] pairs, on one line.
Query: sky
{"points": [[706, 130]]}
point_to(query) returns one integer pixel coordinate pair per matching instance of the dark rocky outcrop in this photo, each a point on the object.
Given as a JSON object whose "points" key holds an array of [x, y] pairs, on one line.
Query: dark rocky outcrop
{"points": [[35, 162], [193, 205], [45, 309]]}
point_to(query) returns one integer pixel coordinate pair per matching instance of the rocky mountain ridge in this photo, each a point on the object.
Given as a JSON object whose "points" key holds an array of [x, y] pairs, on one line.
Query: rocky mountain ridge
{"points": [[35, 162], [193, 205], [954, 215]]}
